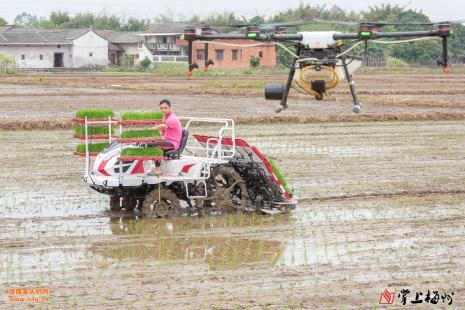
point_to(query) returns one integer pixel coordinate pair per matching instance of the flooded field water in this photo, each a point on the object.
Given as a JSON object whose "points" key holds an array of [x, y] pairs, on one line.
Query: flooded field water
{"points": [[374, 197]]}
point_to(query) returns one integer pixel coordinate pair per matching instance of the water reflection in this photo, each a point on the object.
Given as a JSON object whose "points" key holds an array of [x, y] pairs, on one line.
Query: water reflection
{"points": [[206, 241]]}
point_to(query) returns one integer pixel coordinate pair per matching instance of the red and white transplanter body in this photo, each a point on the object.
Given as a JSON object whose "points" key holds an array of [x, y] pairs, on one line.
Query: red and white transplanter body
{"points": [[208, 173]]}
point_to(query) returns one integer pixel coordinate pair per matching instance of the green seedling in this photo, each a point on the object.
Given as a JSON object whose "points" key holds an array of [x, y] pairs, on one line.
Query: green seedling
{"points": [[136, 116], [92, 131], [150, 133], [280, 176], [93, 148], [140, 152], [95, 114]]}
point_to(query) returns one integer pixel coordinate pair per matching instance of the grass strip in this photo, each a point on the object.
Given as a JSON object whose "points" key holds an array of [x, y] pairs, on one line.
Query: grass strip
{"points": [[95, 114], [137, 116], [148, 133], [280, 176], [92, 130], [141, 152], [93, 148]]}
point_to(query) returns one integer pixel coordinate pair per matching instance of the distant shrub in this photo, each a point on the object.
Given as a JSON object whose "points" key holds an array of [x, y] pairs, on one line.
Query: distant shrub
{"points": [[396, 62], [6, 59], [145, 63], [127, 60], [254, 61], [7, 64]]}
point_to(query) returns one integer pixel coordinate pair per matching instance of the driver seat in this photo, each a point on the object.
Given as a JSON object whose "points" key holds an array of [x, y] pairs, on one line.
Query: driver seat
{"points": [[174, 154]]}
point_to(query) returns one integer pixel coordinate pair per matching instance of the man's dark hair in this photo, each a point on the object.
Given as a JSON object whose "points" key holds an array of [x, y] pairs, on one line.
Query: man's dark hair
{"points": [[165, 101]]}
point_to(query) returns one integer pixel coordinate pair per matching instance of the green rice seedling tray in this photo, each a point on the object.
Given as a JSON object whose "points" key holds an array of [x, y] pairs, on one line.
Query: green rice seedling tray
{"points": [[133, 118], [94, 115], [280, 176], [147, 135], [93, 132], [94, 148], [146, 153]]}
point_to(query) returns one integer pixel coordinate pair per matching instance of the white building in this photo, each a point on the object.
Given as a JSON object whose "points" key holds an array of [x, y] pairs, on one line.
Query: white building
{"points": [[161, 43], [54, 48], [123, 43]]}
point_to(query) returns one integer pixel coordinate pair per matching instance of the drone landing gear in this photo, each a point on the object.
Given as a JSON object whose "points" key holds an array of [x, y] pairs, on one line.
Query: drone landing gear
{"points": [[286, 89], [357, 104]]}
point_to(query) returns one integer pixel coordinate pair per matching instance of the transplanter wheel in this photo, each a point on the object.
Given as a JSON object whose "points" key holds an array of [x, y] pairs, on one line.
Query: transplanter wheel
{"points": [[229, 192], [129, 202], [161, 203], [114, 203]]}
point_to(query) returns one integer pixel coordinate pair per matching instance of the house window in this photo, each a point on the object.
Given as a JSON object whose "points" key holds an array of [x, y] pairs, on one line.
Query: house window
{"points": [[91, 54], [58, 46], [137, 56], [219, 54], [260, 54], [234, 54], [23, 57], [41, 57], [200, 54]]}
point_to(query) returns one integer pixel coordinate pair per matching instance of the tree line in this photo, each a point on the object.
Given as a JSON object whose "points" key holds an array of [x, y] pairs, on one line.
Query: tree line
{"points": [[423, 51]]}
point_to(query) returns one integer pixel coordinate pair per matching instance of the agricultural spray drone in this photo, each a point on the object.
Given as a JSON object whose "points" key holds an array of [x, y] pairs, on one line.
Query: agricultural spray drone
{"points": [[320, 59]]}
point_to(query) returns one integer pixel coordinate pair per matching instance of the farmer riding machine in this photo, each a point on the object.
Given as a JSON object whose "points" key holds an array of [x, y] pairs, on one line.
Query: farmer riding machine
{"points": [[207, 174]]}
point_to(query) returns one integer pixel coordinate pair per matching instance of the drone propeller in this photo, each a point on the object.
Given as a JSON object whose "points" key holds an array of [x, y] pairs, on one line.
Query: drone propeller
{"points": [[269, 26], [383, 23]]}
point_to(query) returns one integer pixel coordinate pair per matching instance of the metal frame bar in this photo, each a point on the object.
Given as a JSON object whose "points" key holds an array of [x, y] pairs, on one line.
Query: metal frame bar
{"points": [[86, 140]]}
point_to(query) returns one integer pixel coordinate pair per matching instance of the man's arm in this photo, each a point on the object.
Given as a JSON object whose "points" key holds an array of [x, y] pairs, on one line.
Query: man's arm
{"points": [[160, 127]]}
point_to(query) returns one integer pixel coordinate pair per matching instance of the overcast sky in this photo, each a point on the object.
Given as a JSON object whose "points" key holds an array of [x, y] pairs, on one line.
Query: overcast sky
{"points": [[437, 10]]}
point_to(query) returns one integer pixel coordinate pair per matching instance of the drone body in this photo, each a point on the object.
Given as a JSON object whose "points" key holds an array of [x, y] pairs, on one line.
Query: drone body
{"points": [[320, 60], [317, 66]]}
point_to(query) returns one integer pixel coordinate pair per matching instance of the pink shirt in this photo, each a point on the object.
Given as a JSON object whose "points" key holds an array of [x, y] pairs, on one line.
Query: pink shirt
{"points": [[173, 131]]}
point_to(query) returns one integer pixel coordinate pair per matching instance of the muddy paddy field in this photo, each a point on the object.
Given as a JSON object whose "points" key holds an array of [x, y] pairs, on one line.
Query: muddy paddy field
{"points": [[381, 200]]}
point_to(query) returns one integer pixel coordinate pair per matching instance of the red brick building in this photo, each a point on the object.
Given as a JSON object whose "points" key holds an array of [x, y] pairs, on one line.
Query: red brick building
{"points": [[163, 43], [235, 57]]}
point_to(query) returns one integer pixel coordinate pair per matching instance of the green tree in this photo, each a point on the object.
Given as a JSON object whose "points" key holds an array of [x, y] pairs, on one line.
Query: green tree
{"points": [[457, 43], [257, 19], [59, 17], [134, 24], [80, 20], [382, 13], [3, 21], [220, 19], [25, 19]]}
